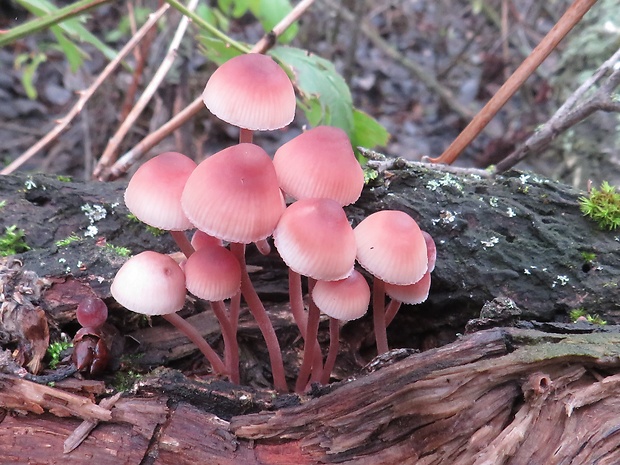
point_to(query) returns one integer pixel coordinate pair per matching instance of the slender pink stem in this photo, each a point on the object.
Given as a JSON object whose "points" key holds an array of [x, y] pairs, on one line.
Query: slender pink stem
{"points": [[183, 242], [193, 335], [334, 346], [296, 302], [234, 310], [310, 342], [391, 310], [246, 136], [262, 319], [231, 348], [378, 309]]}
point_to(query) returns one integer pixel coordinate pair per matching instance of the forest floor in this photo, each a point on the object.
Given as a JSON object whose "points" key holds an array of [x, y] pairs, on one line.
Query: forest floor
{"points": [[467, 47]]}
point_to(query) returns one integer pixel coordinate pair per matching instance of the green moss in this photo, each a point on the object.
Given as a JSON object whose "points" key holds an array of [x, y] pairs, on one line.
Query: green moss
{"points": [[12, 241], [124, 380], [118, 250], [152, 229], [68, 240], [588, 256], [55, 350], [603, 206], [62, 178], [580, 313]]}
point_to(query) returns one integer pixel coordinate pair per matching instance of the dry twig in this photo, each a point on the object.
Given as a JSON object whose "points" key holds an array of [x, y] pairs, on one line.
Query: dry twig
{"points": [[571, 113], [85, 95]]}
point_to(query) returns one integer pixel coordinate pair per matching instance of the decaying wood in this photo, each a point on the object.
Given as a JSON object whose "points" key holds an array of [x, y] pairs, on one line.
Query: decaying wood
{"points": [[500, 395], [511, 396]]}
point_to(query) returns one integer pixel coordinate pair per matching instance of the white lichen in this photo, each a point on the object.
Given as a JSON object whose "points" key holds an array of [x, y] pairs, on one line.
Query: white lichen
{"points": [[445, 217], [562, 280], [493, 201], [30, 184], [510, 212], [94, 212], [91, 231], [490, 243]]}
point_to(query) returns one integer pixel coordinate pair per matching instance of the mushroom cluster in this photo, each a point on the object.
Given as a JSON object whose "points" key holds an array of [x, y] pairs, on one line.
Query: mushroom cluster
{"points": [[242, 196]]}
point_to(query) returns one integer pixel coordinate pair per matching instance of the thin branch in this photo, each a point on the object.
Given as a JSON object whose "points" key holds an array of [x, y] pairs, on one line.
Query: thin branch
{"points": [[85, 95], [109, 154], [570, 113], [570, 18], [35, 25]]}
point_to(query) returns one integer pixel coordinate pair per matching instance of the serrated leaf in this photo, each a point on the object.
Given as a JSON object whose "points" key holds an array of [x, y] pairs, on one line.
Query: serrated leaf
{"points": [[324, 95]]}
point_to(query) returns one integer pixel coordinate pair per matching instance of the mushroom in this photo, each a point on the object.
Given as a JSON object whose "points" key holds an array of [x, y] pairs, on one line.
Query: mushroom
{"points": [[252, 92], [320, 163], [213, 273], [343, 300], [234, 196], [153, 195], [415, 293], [391, 247], [151, 283], [314, 239]]}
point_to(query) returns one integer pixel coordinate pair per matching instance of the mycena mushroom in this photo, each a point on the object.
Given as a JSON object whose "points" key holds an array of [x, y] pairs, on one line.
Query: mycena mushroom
{"points": [[251, 92], [391, 247], [151, 283], [234, 196]]}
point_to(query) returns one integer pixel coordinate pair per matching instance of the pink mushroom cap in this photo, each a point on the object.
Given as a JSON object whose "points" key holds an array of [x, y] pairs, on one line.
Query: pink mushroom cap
{"points": [[154, 191], [415, 293], [252, 92], [315, 239], [234, 195], [346, 299], [390, 246], [150, 283], [212, 273], [320, 163]]}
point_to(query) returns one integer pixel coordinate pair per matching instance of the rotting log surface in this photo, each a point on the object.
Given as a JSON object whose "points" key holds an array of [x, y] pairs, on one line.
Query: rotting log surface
{"points": [[495, 396]]}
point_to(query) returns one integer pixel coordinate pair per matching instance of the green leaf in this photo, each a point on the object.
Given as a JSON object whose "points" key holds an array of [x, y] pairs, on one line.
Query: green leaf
{"points": [[73, 53], [234, 8], [324, 95], [28, 65], [367, 131], [270, 13], [71, 27], [216, 50]]}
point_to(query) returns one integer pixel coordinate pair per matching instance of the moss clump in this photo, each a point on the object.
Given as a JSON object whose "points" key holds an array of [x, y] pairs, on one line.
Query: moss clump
{"points": [[12, 241], [603, 206]]}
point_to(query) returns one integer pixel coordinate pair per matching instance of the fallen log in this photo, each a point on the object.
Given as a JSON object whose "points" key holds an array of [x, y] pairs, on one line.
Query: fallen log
{"points": [[540, 393]]}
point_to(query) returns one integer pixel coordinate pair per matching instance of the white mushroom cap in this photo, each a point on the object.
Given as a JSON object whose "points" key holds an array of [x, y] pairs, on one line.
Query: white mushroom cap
{"points": [[150, 283]]}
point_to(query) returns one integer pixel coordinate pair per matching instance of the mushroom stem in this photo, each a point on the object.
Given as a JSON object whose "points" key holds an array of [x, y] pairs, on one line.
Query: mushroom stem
{"points": [[378, 309], [263, 247], [391, 310], [334, 346], [262, 319], [231, 348], [183, 242], [310, 342], [246, 136], [193, 335], [299, 315]]}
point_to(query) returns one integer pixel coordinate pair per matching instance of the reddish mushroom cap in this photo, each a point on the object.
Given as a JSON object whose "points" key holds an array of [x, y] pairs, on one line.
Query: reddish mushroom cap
{"points": [[346, 299], [201, 239], [212, 273], [234, 195], [390, 246], [154, 191], [431, 250], [150, 283], [252, 92], [320, 163], [415, 293], [315, 239]]}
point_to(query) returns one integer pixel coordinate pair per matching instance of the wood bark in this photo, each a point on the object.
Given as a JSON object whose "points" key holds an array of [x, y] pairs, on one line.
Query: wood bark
{"points": [[537, 390]]}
